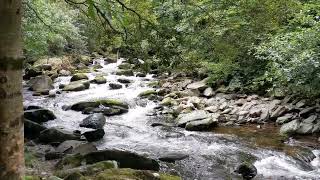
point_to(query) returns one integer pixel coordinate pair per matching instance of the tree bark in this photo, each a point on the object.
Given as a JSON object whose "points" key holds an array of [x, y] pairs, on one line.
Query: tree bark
{"points": [[11, 107]]}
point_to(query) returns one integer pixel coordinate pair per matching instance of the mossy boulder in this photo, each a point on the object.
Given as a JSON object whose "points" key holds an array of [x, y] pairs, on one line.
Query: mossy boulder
{"points": [[125, 66], [168, 101], [70, 161], [148, 93], [125, 174], [79, 76], [77, 85], [124, 72], [87, 170], [99, 80], [114, 102]]}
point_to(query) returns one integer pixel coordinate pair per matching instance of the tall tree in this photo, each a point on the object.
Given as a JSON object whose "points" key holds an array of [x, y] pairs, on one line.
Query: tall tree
{"points": [[11, 106]]}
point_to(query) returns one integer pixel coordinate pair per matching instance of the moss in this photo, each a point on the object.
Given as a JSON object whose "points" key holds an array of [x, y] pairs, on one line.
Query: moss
{"points": [[113, 102], [154, 84], [87, 170], [70, 161], [147, 93], [124, 174], [32, 178], [29, 159]]}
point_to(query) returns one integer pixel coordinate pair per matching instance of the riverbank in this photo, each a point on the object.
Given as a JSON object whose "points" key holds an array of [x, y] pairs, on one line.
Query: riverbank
{"points": [[180, 123]]}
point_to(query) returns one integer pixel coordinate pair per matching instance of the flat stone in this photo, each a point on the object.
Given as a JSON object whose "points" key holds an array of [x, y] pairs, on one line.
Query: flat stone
{"points": [[183, 119], [200, 125]]}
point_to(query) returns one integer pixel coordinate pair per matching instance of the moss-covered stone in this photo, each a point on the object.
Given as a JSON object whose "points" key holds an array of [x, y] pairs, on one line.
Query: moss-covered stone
{"points": [[113, 102], [70, 161], [147, 93], [169, 102], [124, 174], [99, 80], [79, 76], [125, 72], [125, 66], [154, 84], [32, 178], [87, 170]]}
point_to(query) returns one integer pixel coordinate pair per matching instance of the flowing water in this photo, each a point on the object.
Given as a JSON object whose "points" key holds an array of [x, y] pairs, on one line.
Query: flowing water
{"points": [[211, 155]]}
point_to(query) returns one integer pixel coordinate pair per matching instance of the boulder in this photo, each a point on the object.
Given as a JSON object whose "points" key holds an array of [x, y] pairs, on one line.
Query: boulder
{"points": [[69, 145], [40, 83], [290, 127], [39, 115], [77, 85], [32, 129], [54, 135], [208, 92], [110, 60], [124, 73], [183, 119], [63, 72], [248, 171], [79, 76], [279, 111], [115, 86], [114, 103], [306, 111], [112, 111], [200, 85], [173, 157], [140, 74], [168, 101], [125, 66], [284, 119], [148, 93], [87, 170], [95, 135], [200, 125], [94, 121], [31, 72], [125, 159], [99, 80], [305, 128], [124, 81], [80, 106]]}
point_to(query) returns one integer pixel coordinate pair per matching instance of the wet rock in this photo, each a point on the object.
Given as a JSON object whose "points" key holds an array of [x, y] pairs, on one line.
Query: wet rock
{"points": [[114, 111], [115, 86], [140, 74], [200, 85], [161, 124], [99, 80], [32, 72], [183, 119], [39, 115], [32, 129], [148, 93], [264, 115], [77, 86], [306, 111], [124, 73], [248, 171], [200, 125], [54, 135], [311, 119], [284, 119], [110, 60], [301, 103], [255, 112], [79, 76], [125, 66], [290, 128], [124, 81], [125, 159], [53, 155], [305, 128], [94, 121], [114, 103], [64, 73], [95, 135], [173, 157], [168, 102], [68, 145], [278, 112], [80, 106], [208, 92], [40, 83]]}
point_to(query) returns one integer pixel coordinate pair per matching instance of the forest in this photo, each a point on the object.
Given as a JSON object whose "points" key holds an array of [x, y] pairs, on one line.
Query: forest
{"points": [[159, 89]]}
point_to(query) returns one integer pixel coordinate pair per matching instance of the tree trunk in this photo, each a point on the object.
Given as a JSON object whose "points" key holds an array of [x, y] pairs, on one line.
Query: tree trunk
{"points": [[11, 107]]}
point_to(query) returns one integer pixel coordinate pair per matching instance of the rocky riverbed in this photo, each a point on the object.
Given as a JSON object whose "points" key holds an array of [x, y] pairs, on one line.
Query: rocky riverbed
{"points": [[100, 121]]}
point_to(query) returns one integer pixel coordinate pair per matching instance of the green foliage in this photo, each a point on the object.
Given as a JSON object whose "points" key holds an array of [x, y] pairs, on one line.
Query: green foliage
{"points": [[50, 28]]}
